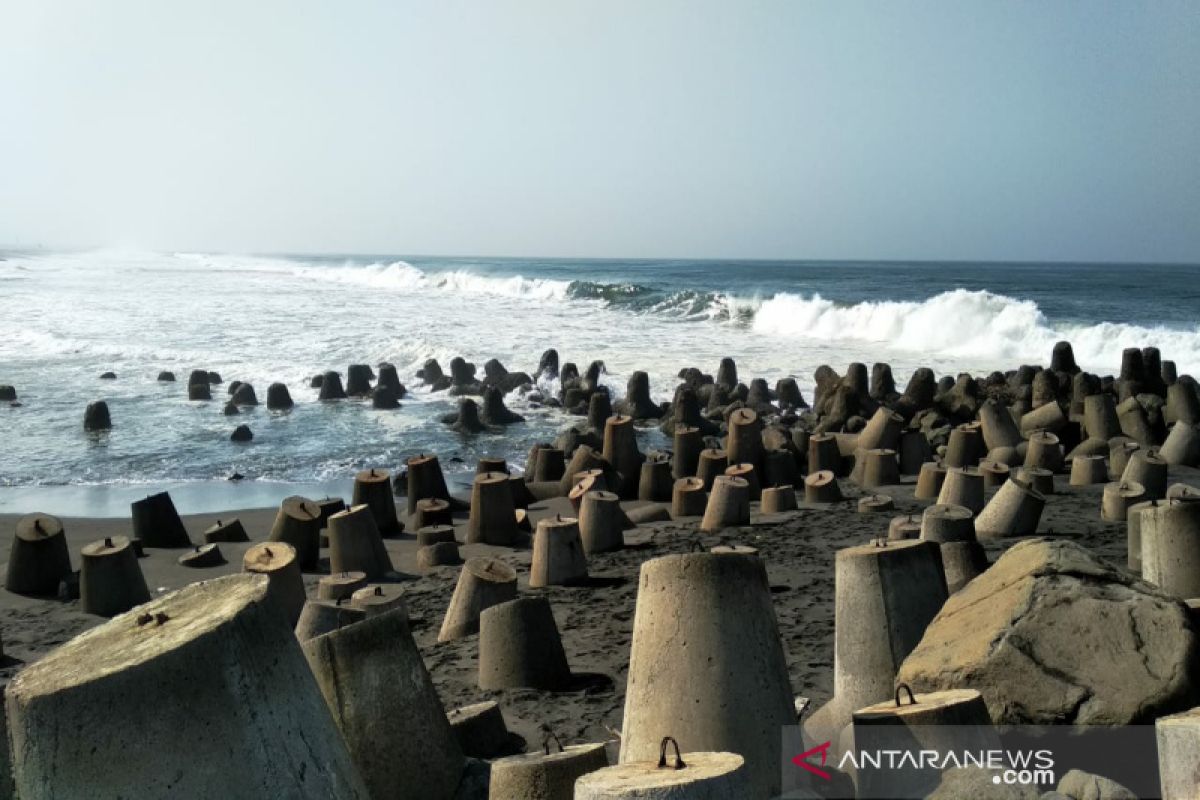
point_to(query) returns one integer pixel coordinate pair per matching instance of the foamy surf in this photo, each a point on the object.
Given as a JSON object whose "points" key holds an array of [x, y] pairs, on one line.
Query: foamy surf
{"points": [[262, 319]]}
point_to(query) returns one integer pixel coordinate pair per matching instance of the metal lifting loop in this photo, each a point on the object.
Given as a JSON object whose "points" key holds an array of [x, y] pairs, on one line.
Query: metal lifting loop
{"points": [[546, 740], [662, 753], [904, 687]]}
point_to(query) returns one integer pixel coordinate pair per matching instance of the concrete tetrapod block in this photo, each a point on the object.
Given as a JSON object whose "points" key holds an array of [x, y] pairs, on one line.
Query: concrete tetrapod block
{"points": [[230, 530], [1171, 547], [425, 479], [277, 560], [329, 506], [1183, 405], [914, 452], [687, 776], [1100, 417], [749, 474], [435, 534], [1014, 510], [355, 544], [876, 468], [483, 582], [366, 672], [688, 442], [156, 523], [904, 527], [621, 450], [1044, 451], [298, 523], [491, 464], [1178, 738], [744, 442], [886, 593], [96, 416], [706, 659], [964, 448], [779, 468], [1133, 534], [962, 562], [712, 463], [728, 505], [558, 556], [110, 578], [583, 459], [373, 488], [379, 598], [493, 516], [824, 454], [1120, 450], [601, 522], [1089, 470], [1048, 417], [1117, 499], [439, 554], [1040, 479], [1147, 468], [963, 487], [876, 504], [954, 720], [432, 511], [778, 499], [481, 731], [551, 465], [591, 480], [688, 498], [212, 664], [929, 481], [1182, 491], [997, 427], [340, 585], [39, 558], [822, 488], [519, 647], [995, 473], [545, 775], [656, 480], [322, 616], [1182, 445], [947, 523], [331, 387], [202, 557], [882, 431], [1134, 424]]}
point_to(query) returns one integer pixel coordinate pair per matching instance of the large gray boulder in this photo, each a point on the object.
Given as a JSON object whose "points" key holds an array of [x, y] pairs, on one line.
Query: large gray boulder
{"points": [[979, 783], [1080, 785], [1050, 635]]}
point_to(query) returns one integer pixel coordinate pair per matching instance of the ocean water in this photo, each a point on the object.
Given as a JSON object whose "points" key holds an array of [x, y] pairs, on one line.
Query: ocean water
{"points": [[68, 317]]}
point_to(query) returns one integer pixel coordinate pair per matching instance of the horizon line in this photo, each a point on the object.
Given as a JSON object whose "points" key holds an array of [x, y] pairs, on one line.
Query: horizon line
{"points": [[4, 248]]}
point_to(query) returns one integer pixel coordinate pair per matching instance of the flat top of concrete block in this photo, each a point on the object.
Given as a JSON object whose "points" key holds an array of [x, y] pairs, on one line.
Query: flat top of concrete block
{"points": [[34, 527], [648, 775], [142, 634], [924, 702]]}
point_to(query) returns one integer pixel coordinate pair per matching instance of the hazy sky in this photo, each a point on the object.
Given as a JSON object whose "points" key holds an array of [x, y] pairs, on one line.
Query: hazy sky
{"points": [[940, 130]]}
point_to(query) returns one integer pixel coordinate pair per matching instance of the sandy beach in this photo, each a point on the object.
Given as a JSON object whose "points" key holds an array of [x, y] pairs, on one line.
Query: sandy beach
{"points": [[596, 620]]}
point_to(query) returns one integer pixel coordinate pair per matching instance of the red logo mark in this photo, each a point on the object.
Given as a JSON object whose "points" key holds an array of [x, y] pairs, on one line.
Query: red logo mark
{"points": [[802, 760]]}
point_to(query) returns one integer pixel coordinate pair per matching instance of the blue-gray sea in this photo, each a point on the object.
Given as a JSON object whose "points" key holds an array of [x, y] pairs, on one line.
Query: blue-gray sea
{"points": [[68, 317]]}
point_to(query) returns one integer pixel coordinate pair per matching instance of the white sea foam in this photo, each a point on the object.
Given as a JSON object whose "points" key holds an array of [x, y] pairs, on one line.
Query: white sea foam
{"points": [[965, 324], [402, 276]]}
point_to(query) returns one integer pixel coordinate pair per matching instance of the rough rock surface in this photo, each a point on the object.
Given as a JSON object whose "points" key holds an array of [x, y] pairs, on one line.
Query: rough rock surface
{"points": [[1080, 785], [1051, 634]]}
